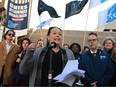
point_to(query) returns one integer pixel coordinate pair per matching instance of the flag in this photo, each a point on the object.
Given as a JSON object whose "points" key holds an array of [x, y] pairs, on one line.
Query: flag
{"points": [[17, 17], [107, 16], [74, 7], [44, 7], [94, 3], [47, 22]]}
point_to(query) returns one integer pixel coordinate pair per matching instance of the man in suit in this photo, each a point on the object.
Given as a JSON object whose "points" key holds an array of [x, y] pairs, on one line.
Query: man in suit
{"points": [[7, 52]]}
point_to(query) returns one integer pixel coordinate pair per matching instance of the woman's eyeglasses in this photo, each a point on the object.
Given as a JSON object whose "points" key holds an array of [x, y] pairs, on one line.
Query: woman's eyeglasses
{"points": [[10, 35]]}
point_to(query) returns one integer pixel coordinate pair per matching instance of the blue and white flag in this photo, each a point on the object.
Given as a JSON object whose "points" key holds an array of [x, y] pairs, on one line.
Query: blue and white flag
{"points": [[42, 24], [17, 15], [94, 3], [107, 16]]}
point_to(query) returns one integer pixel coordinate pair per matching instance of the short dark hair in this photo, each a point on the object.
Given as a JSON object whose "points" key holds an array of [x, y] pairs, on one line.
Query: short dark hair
{"points": [[77, 44], [92, 33], [66, 45], [7, 33]]}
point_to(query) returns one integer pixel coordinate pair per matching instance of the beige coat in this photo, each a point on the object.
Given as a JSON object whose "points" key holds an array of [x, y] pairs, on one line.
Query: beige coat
{"points": [[6, 59]]}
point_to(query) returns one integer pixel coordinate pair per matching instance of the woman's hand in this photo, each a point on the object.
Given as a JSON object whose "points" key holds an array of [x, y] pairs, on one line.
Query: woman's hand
{"points": [[94, 84], [32, 46], [18, 60]]}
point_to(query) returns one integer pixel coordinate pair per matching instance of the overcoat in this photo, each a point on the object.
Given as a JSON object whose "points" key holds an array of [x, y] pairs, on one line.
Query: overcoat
{"points": [[29, 64], [6, 60]]}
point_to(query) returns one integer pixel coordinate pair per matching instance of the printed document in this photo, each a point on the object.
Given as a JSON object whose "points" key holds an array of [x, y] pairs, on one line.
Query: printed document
{"points": [[67, 75]]}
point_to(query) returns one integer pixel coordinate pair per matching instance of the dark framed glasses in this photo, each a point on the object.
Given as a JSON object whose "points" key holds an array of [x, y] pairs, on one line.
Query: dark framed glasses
{"points": [[90, 40], [10, 35]]}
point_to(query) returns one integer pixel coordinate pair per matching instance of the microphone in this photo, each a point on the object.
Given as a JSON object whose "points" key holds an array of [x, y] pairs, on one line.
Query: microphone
{"points": [[52, 45]]}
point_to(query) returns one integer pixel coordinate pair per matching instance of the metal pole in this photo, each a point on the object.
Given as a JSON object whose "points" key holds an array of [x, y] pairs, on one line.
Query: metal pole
{"points": [[50, 69]]}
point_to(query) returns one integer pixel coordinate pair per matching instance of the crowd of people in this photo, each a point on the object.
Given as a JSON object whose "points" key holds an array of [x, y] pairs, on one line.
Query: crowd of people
{"points": [[33, 64]]}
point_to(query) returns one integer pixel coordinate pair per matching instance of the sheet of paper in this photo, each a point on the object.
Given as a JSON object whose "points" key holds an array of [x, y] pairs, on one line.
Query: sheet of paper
{"points": [[71, 65], [67, 75]]}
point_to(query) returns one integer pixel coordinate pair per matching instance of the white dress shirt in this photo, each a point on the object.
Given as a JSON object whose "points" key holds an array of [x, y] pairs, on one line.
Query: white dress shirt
{"points": [[7, 47]]}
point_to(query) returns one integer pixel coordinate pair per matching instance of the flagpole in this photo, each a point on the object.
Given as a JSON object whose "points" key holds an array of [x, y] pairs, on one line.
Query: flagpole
{"points": [[97, 30], [16, 39], [31, 34], [41, 33], [40, 22], [86, 26], [63, 33], [40, 28], [30, 1]]}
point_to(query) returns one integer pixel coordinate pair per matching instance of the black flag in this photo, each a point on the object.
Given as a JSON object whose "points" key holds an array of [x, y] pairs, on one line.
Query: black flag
{"points": [[74, 7], [44, 7]]}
